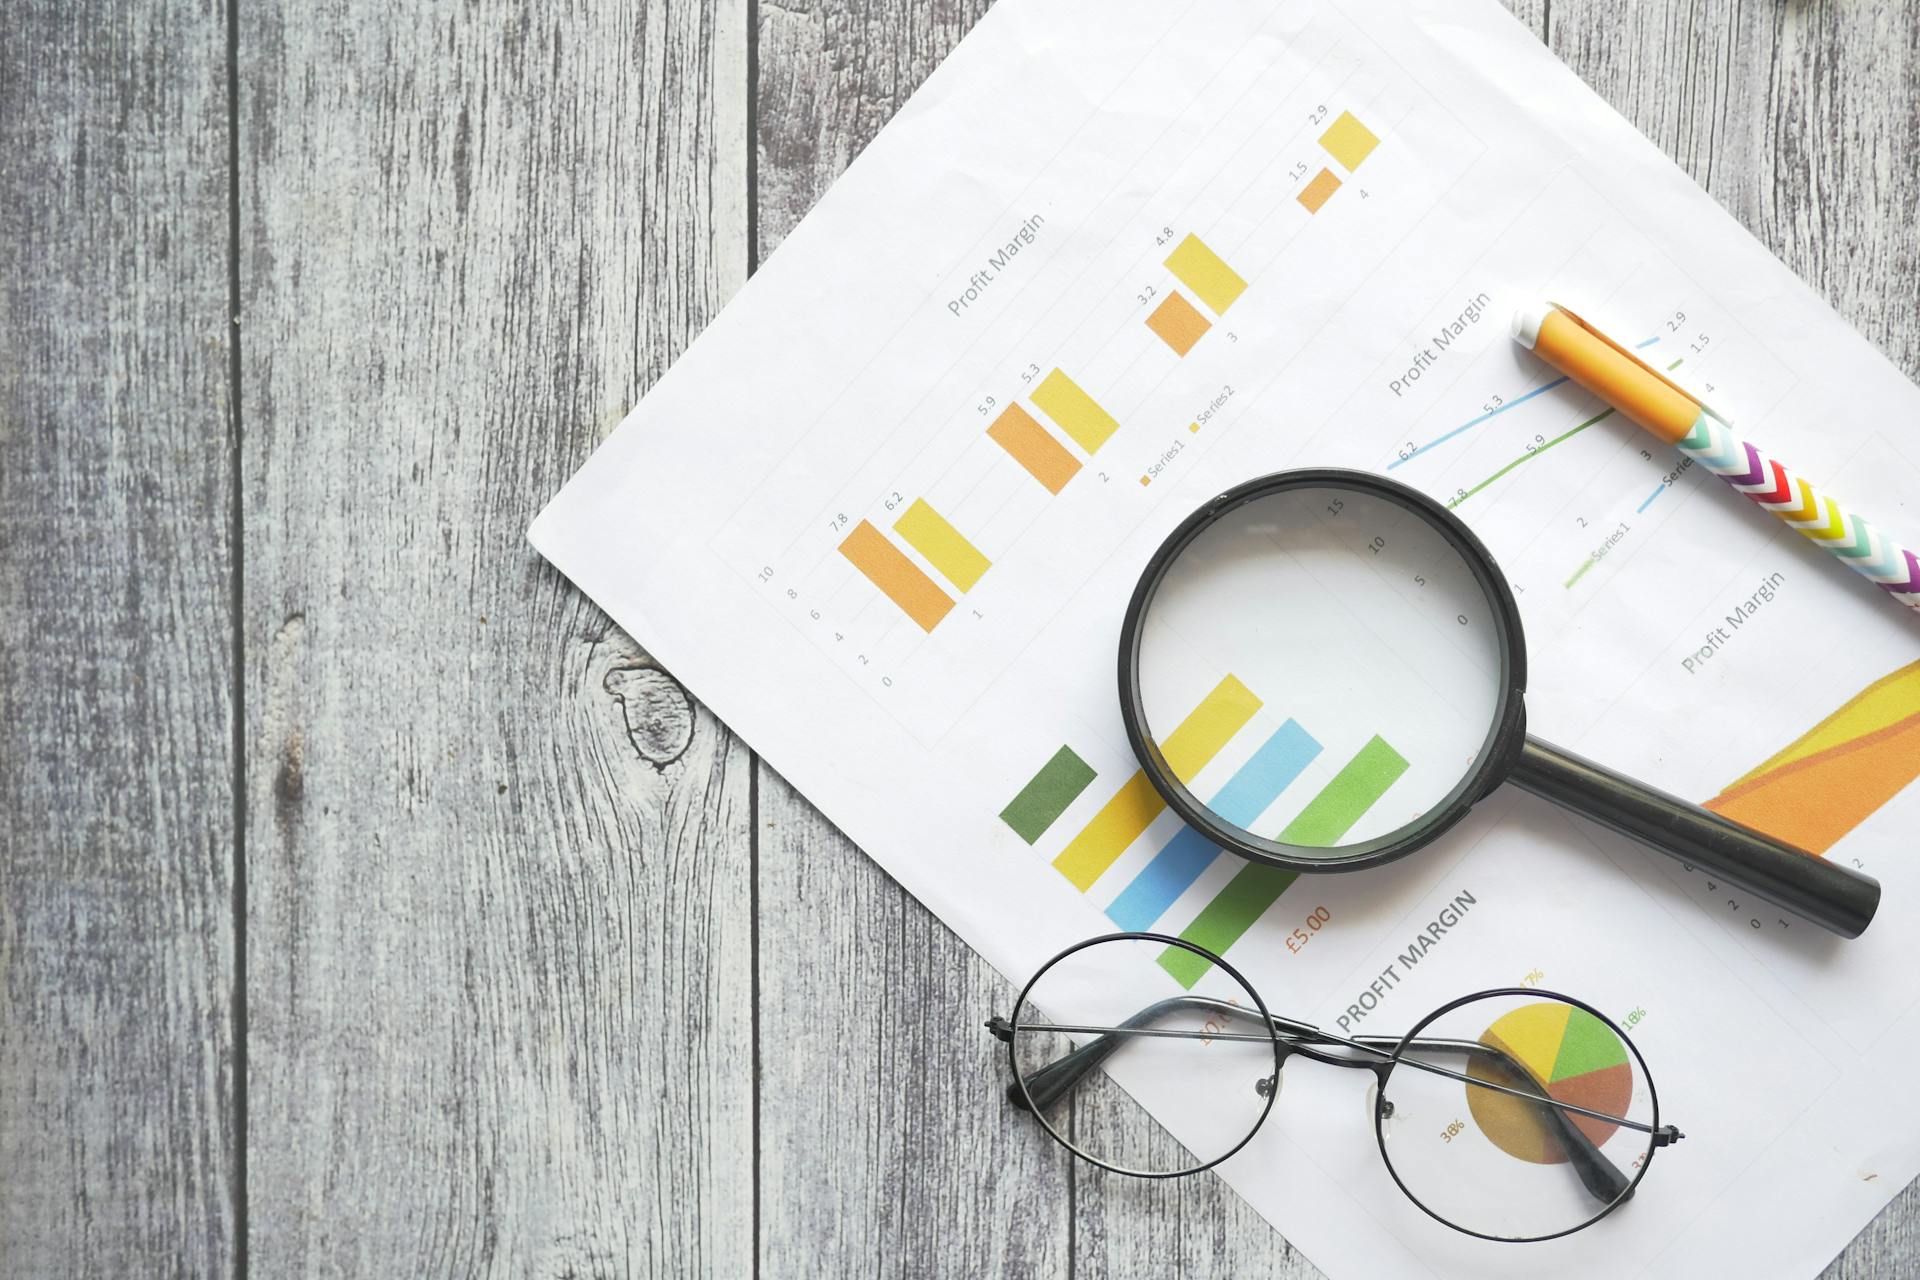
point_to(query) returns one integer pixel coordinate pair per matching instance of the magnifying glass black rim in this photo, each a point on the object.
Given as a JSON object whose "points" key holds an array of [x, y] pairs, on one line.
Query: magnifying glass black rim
{"points": [[1492, 763]]}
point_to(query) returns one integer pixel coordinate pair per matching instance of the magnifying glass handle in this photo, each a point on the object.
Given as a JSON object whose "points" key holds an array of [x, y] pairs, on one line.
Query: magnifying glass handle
{"points": [[1834, 897]]}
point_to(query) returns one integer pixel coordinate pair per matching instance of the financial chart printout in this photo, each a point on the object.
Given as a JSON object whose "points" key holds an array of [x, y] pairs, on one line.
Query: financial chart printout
{"points": [[885, 515]]}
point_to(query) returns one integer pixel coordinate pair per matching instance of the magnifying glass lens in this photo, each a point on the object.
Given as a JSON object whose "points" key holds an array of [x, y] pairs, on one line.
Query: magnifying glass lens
{"points": [[1321, 668]]}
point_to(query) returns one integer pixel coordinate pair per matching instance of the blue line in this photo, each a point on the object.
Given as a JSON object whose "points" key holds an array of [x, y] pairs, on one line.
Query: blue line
{"points": [[1511, 404], [1650, 497], [1257, 784], [1642, 346]]}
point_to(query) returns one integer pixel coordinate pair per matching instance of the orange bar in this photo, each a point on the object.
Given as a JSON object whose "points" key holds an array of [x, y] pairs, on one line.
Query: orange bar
{"points": [[1178, 324], [1045, 458], [1323, 185], [888, 568]]}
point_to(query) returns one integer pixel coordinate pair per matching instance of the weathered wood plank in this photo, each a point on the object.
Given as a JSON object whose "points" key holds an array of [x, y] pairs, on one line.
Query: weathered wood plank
{"points": [[116, 848], [1801, 119], [885, 1148], [501, 978]]}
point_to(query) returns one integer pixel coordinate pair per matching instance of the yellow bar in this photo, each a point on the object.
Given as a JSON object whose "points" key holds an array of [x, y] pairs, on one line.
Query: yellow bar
{"points": [[1199, 737], [1348, 141], [1615, 376], [1201, 270], [1117, 825], [1074, 411], [1324, 184], [1178, 323], [1220, 715], [888, 568], [928, 532]]}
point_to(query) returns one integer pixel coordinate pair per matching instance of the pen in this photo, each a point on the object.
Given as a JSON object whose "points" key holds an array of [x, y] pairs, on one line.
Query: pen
{"points": [[1658, 405]]}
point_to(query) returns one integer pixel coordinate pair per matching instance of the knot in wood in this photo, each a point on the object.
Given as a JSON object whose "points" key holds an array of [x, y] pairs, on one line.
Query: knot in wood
{"points": [[657, 712]]}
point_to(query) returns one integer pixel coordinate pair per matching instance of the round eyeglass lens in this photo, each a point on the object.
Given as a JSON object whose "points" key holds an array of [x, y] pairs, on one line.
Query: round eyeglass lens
{"points": [[1321, 667], [1548, 1131], [1161, 1021]]}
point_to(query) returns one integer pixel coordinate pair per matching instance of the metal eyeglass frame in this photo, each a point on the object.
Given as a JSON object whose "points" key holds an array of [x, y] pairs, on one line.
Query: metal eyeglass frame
{"points": [[1379, 1054]]}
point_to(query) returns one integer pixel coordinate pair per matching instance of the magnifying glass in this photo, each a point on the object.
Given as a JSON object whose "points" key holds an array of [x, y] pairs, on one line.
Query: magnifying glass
{"points": [[1347, 657]]}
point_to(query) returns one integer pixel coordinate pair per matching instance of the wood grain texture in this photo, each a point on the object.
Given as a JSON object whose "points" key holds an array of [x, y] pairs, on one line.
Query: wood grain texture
{"points": [[1801, 119], [501, 959], [885, 1147], [514, 1011], [116, 816]]}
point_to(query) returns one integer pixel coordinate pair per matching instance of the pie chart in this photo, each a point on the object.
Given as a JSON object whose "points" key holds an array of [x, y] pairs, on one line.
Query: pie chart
{"points": [[1580, 1060]]}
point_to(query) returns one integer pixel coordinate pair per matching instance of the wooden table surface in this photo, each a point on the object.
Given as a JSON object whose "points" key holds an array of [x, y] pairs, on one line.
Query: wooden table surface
{"points": [[369, 904]]}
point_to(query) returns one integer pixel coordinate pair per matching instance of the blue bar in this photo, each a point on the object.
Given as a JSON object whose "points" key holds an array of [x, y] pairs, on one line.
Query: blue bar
{"points": [[1257, 784], [1650, 497]]}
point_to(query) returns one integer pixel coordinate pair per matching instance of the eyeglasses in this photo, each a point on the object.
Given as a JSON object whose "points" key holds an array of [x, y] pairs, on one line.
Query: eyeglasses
{"points": [[1512, 1114]]}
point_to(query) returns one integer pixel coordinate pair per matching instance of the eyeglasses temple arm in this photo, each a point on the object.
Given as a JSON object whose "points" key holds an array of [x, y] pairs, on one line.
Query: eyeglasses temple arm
{"points": [[1602, 1178], [1063, 1075]]}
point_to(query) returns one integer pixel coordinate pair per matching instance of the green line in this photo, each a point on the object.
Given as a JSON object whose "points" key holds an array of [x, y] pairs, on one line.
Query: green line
{"points": [[1529, 456], [1578, 574], [1327, 818], [1057, 785], [1676, 364]]}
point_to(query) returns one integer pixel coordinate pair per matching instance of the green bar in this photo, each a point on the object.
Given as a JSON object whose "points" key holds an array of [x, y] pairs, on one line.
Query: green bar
{"points": [[1580, 573], [1327, 817], [1221, 922], [1057, 785], [1342, 802]]}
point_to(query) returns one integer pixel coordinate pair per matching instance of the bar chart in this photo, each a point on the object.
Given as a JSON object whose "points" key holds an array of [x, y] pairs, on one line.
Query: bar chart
{"points": [[933, 513], [942, 546], [1257, 788], [1061, 424], [1349, 142]]}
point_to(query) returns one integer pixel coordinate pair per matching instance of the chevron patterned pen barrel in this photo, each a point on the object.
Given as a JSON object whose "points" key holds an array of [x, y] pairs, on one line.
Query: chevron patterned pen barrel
{"points": [[1660, 406], [1814, 515]]}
